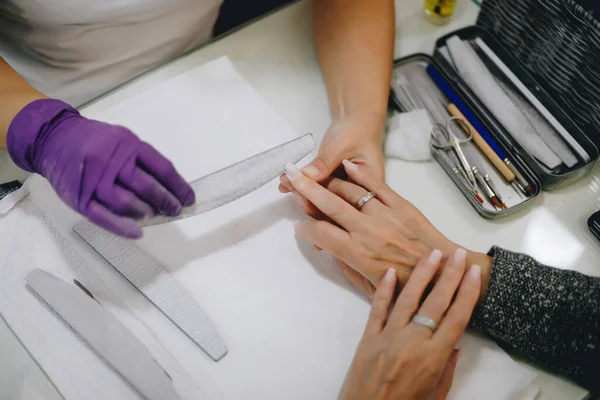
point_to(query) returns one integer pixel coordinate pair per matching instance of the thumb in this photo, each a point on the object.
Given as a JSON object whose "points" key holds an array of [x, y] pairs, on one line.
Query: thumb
{"points": [[321, 167], [445, 382]]}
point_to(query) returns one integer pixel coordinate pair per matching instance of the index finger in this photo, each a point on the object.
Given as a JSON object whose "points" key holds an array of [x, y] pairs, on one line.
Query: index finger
{"points": [[330, 204]]}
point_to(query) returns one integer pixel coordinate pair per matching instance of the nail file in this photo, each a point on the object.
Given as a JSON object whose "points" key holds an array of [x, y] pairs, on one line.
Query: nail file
{"points": [[150, 278], [239, 179], [105, 334]]}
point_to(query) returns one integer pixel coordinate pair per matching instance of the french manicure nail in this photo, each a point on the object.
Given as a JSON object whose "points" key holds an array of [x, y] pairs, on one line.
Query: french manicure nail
{"points": [[475, 272], [292, 172], [434, 258], [389, 275], [349, 165], [311, 171], [460, 255]]}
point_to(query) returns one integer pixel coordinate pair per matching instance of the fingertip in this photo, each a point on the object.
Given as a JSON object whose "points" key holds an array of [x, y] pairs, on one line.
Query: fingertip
{"points": [[190, 198], [349, 166], [173, 210], [434, 258], [389, 277], [282, 189], [475, 273], [135, 233], [460, 255]]}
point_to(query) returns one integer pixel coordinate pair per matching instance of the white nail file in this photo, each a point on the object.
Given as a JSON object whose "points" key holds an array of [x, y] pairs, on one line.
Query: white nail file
{"points": [[150, 278], [105, 334], [237, 180]]}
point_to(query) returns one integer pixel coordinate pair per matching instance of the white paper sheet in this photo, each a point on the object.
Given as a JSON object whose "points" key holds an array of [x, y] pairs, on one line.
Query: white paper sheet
{"points": [[289, 317]]}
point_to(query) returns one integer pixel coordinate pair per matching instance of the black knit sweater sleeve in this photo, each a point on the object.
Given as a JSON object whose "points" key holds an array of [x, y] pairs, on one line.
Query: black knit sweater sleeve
{"points": [[549, 315]]}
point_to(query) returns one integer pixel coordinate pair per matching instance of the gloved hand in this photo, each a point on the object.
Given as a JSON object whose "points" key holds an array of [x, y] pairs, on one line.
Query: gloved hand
{"points": [[103, 171]]}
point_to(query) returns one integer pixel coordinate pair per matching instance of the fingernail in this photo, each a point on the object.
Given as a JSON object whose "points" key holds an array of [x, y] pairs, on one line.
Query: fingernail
{"points": [[292, 172], [389, 276], [349, 165], [460, 255], [475, 272], [434, 258], [311, 171]]}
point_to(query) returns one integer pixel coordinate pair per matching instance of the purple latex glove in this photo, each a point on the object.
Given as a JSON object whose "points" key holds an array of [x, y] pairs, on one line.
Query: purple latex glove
{"points": [[103, 171]]}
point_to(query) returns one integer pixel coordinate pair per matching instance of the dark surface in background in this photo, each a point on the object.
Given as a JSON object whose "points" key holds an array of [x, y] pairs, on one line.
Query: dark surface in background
{"points": [[237, 12]]}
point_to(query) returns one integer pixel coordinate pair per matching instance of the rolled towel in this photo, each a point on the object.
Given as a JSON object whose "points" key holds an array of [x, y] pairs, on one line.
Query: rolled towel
{"points": [[408, 136]]}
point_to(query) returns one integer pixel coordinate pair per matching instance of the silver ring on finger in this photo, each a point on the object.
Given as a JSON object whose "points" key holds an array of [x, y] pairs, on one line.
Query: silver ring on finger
{"points": [[424, 321], [364, 199]]}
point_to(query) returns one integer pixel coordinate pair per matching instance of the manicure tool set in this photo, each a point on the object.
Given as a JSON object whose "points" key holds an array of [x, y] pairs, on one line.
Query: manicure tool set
{"points": [[498, 135]]}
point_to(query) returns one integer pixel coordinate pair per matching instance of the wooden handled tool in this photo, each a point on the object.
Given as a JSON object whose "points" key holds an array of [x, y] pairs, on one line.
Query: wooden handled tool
{"points": [[482, 144]]}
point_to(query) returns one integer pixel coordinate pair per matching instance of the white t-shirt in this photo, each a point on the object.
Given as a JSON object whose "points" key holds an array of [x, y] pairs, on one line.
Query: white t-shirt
{"points": [[75, 50]]}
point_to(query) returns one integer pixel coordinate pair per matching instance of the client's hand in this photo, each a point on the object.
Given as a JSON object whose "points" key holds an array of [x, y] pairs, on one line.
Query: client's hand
{"points": [[388, 232], [400, 359]]}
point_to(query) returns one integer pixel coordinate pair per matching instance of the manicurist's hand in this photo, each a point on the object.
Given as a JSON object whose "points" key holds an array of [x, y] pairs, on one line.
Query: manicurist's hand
{"points": [[103, 171], [387, 232], [407, 349]]}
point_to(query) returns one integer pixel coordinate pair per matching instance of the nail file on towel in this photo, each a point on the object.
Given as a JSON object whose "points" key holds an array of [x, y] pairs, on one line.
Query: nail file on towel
{"points": [[150, 278], [105, 334], [237, 180]]}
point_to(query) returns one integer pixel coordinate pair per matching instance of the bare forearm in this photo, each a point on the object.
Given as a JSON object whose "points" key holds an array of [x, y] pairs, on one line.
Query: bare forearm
{"points": [[15, 93], [355, 46]]}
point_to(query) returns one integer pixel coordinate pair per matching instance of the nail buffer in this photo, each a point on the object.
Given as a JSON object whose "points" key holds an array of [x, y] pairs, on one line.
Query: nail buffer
{"points": [[150, 278], [105, 334], [237, 180]]}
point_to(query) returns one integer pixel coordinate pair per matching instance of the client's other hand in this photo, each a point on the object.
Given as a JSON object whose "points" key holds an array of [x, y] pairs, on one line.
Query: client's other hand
{"points": [[400, 358]]}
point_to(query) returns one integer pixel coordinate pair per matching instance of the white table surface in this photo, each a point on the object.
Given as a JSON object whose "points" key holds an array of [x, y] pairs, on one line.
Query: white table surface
{"points": [[276, 56]]}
